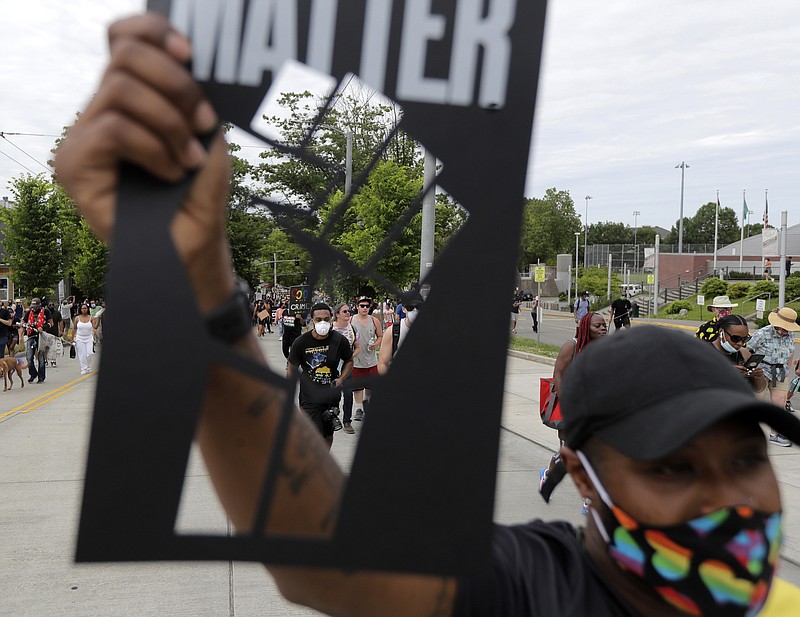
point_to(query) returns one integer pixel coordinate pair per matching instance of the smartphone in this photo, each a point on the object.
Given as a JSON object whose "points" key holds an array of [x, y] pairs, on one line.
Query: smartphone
{"points": [[754, 360]]}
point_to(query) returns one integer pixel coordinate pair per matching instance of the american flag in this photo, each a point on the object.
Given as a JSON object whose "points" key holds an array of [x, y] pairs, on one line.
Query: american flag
{"points": [[766, 211]]}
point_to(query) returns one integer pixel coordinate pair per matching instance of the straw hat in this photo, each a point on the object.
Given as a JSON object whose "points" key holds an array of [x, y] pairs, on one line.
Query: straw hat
{"points": [[785, 318], [721, 302]]}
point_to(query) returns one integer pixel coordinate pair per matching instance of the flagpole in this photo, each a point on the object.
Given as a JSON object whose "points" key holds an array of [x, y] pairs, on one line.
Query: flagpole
{"points": [[716, 233], [741, 242]]}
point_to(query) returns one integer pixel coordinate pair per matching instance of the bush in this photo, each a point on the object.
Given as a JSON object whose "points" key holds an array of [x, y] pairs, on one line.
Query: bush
{"points": [[677, 306], [765, 287], [792, 288], [739, 290], [735, 275], [714, 287]]}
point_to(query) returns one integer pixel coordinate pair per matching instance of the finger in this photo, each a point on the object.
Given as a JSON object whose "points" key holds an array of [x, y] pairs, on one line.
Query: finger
{"points": [[156, 30], [160, 71], [150, 109]]}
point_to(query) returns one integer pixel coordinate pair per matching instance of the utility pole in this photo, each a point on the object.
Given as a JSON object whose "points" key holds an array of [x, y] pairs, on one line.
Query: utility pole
{"points": [[586, 232], [683, 166], [428, 216], [783, 241], [636, 215]]}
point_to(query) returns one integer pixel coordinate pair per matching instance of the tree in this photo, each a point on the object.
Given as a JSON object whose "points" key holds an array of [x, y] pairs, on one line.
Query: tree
{"points": [[610, 233], [91, 262], [548, 227], [32, 236], [699, 229], [646, 235], [753, 229]]}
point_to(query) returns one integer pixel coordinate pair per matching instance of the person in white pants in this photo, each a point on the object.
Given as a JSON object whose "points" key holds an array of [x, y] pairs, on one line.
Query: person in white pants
{"points": [[85, 325]]}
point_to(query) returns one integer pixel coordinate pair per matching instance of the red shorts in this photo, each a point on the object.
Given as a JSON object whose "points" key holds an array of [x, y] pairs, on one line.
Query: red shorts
{"points": [[359, 374]]}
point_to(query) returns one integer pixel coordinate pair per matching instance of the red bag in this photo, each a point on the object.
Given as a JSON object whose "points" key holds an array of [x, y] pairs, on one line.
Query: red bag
{"points": [[549, 408]]}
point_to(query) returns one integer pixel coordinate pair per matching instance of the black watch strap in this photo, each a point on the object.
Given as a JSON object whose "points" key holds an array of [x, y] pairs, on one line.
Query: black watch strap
{"points": [[231, 321]]}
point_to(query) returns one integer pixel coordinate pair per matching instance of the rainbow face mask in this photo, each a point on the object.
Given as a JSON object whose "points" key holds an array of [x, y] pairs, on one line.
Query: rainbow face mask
{"points": [[720, 564]]}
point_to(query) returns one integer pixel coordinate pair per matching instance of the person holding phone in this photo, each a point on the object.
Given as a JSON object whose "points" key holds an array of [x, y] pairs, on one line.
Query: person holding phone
{"points": [[733, 335]]}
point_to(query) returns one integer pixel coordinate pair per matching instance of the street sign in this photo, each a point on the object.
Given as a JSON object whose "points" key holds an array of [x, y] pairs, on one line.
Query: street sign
{"points": [[701, 300], [651, 279], [538, 274], [761, 305]]}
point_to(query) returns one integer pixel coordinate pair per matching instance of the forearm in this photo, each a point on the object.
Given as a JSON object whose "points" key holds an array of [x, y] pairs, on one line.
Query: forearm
{"points": [[236, 434]]}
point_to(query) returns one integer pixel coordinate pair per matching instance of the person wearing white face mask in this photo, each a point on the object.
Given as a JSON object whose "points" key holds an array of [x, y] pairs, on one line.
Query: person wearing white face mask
{"points": [[316, 354], [732, 336], [412, 301]]}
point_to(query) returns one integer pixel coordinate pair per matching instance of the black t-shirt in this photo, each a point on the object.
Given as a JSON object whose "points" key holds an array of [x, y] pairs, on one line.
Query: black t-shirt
{"points": [[538, 569], [319, 368], [292, 329], [621, 306], [4, 329]]}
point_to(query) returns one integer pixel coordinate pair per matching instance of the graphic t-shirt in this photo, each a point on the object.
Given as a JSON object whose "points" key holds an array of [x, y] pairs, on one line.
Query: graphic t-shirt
{"points": [[319, 367]]}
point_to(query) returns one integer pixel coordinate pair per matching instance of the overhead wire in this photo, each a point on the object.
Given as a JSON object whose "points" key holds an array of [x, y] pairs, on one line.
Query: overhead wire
{"points": [[3, 135]]}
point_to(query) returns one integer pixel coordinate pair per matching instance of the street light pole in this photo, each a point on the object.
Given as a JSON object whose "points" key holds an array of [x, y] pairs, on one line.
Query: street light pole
{"points": [[577, 235], [636, 215], [586, 231], [683, 166]]}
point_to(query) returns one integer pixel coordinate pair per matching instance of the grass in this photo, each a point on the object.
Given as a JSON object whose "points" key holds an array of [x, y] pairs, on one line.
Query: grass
{"points": [[746, 308], [527, 345]]}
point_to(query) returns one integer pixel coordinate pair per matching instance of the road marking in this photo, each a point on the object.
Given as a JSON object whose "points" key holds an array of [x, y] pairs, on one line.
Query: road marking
{"points": [[45, 398]]}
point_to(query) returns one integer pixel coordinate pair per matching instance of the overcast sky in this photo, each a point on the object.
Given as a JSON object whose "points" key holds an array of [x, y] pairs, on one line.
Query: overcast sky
{"points": [[628, 90]]}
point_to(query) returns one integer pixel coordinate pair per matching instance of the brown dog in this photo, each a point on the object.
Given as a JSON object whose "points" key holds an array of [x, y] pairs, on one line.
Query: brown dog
{"points": [[8, 366]]}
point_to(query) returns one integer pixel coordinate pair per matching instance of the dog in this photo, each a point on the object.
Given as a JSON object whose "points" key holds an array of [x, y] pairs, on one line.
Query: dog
{"points": [[8, 366]]}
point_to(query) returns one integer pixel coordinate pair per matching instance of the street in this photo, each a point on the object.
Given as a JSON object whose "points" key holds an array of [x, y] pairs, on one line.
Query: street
{"points": [[43, 437]]}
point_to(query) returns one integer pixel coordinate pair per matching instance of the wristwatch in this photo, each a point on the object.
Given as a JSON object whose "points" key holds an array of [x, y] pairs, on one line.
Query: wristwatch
{"points": [[231, 321]]}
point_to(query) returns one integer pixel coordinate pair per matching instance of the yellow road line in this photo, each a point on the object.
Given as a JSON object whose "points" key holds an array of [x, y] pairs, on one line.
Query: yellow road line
{"points": [[44, 398]]}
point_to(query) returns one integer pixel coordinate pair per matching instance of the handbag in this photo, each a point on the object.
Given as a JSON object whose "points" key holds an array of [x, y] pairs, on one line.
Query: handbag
{"points": [[549, 407], [72, 351]]}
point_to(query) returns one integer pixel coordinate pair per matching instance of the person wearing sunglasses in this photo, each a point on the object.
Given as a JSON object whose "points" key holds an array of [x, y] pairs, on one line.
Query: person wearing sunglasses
{"points": [[365, 363], [733, 335], [776, 342]]}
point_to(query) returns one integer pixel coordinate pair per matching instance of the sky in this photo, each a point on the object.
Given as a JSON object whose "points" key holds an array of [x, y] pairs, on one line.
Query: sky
{"points": [[627, 91]]}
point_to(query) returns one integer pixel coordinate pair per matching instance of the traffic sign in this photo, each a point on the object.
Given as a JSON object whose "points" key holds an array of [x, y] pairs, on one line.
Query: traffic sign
{"points": [[761, 305], [701, 300], [538, 274], [651, 279]]}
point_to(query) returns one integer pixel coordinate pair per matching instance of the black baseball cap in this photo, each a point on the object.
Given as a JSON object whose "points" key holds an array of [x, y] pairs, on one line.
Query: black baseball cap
{"points": [[679, 387], [411, 297]]}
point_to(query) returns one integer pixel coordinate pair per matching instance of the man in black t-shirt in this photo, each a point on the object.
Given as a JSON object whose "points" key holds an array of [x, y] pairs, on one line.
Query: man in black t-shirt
{"points": [[621, 312], [317, 354], [6, 321]]}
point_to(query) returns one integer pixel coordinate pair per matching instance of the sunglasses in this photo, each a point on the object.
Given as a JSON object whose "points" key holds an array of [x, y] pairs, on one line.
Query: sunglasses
{"points": [[363, 306], [737, 339], [344, 311]]}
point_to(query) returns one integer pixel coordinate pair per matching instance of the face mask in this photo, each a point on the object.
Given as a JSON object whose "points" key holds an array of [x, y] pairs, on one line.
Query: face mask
{"points": [[322, 328], [92, 305], [728, 347], [412, 314], [718, 564], [723, 312]]}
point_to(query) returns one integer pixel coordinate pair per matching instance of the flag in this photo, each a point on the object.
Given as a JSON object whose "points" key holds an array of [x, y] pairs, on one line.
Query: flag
{"points": [[766, 211], [717, 205], [745, 211]]}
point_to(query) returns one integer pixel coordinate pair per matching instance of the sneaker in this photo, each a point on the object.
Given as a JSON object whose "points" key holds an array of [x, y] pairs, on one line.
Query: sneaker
{"points": [[779, 440], [542, 478], [359, 415], [348, 428], [31, 379]]}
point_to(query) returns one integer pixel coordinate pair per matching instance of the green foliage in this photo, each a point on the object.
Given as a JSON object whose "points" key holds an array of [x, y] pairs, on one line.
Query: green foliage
{"points": [[736, 275], [793, 287], [595, 281], [714, 287], [91, 262], [610, 233], [753, 229], [677, 306], [699, 229], [646, 235], [548, 227], [33, 234], [738, 290], [765, 287]]}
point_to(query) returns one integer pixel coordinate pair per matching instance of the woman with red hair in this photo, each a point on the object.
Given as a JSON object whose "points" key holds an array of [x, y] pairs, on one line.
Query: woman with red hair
{"points": [[591, 327]]}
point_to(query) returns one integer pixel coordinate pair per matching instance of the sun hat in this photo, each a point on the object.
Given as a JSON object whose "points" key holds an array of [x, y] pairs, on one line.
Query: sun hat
{"points": [[721, 302], [785, 318], [678, 393]]}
